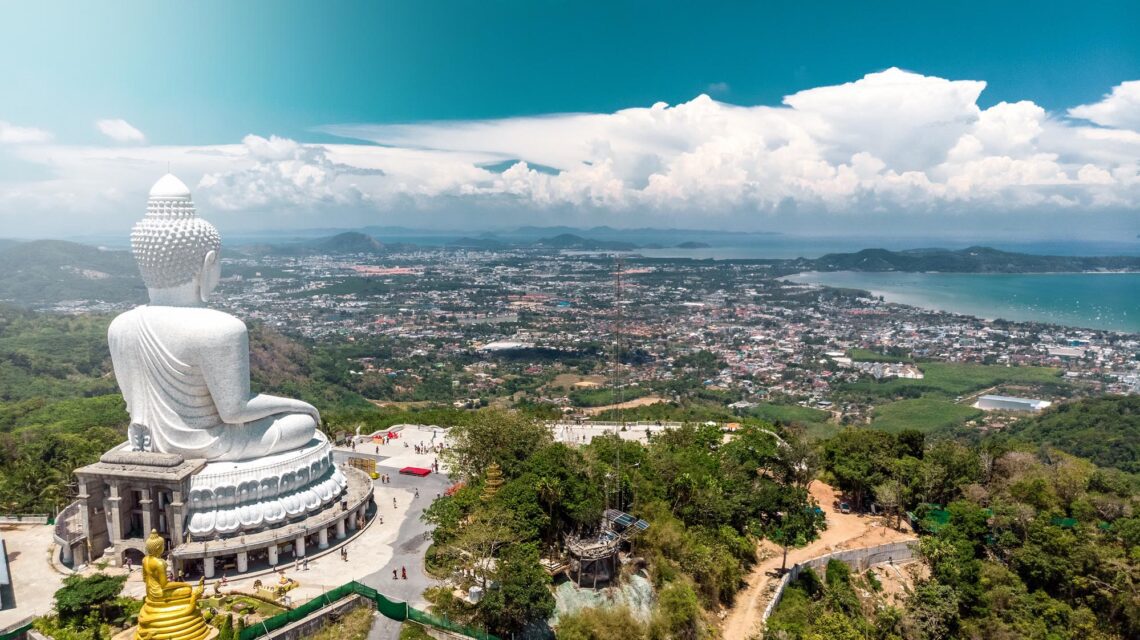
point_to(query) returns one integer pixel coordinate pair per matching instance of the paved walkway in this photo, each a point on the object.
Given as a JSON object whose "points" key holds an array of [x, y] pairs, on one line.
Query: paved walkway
{"points": [[34, 581]]}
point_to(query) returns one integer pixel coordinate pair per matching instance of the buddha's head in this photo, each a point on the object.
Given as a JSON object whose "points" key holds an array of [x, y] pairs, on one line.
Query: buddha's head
{"points": [[155, 545], [173, 247]]}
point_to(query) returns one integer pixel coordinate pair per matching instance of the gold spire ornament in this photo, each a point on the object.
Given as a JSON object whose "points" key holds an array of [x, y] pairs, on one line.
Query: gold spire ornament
{"points": [[170, 609], [494, 481]]}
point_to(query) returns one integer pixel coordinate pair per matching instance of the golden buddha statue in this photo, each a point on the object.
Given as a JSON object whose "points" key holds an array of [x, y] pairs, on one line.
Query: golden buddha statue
{"points": [[170, 610]]}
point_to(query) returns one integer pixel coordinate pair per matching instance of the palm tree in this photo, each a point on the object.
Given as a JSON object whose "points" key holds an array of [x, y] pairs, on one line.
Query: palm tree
{"points": [[549, 492]]}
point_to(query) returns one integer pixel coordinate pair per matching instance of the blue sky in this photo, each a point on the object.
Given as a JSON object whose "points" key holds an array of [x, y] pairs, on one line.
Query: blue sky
{"points": [[198, 78]]}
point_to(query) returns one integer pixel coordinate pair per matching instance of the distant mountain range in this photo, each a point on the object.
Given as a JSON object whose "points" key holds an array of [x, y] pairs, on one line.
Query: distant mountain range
{"points": [[46, 272]]}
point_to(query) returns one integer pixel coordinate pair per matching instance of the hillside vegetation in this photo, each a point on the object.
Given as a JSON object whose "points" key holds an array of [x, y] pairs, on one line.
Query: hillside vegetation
{"points": [[45, 272], [1104, 430]]}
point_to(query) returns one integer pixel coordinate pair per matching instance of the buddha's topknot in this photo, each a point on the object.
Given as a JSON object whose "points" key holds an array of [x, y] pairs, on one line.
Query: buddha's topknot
{"points": [[171, 242]]}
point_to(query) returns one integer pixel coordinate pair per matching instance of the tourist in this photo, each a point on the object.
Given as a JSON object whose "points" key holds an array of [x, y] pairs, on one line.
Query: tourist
{"points": [[394, 577], [417, 492], [394, 502], [306, 563], [403, 573]]}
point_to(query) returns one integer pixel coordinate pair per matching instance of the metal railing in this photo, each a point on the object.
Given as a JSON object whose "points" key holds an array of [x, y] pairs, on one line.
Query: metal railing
{"points": [[24, 518]]}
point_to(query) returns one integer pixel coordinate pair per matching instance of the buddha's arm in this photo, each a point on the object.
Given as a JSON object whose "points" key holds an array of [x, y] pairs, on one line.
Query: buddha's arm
{"points": [[225, 366], [157, 572]]}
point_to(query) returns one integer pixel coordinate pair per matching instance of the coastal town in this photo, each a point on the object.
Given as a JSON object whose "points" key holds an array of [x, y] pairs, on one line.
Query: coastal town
{"points": [[583, 330]]}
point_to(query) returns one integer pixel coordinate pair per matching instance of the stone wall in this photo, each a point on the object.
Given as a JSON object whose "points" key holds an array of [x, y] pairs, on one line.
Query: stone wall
{"points": [[858, 559]]}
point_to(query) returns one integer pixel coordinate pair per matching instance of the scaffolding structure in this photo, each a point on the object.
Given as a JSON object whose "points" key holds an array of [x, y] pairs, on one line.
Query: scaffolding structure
{"points": [[596, 558]]}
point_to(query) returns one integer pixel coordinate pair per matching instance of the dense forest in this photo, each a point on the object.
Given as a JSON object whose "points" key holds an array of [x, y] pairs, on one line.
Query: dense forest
{"points": [[1104, 430], [706, 501]]}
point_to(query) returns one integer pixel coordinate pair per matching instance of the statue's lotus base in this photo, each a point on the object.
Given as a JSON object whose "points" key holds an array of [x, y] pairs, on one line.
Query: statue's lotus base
{"points": [[227, 498], [129, 634]]}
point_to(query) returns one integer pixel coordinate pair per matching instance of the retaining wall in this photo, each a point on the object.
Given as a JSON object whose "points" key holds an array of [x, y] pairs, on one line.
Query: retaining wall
{"points": [[309, 625], [858, 559]]}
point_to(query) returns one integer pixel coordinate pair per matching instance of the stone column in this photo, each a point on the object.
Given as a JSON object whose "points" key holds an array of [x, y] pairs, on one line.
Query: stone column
{"points": [[85, 508], [242, 561], [352, 520], [66, 555], [175, 519], [323, 538], [145, 505], [340, 534], [208, 567], [299, 546], [272, 549], [115, 519]]}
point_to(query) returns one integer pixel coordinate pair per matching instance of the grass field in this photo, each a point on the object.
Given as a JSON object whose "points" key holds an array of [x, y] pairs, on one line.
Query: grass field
{"points": [[951, 379], [789, 413], [866, 355], [603, 397], [816, 423], [925, 414]]}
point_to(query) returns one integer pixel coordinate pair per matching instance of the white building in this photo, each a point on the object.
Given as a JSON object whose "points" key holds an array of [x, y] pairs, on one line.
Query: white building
{"points": [[1008, 403]]}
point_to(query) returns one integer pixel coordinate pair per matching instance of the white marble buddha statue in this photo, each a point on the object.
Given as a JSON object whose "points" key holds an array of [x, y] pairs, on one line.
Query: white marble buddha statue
{"points": [[184, 368]]}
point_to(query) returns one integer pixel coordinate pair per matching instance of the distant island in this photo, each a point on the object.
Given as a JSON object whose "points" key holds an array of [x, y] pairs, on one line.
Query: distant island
{"points": [[969, 260]]}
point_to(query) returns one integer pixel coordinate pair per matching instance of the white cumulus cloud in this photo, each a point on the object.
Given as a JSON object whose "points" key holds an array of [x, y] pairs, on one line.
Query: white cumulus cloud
{"points": [[119, 130], [276, 172], [892, 140], [12, 134], [1120, 109]]}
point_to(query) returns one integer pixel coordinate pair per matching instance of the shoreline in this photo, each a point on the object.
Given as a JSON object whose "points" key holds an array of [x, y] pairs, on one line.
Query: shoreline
{"points": [[976, 306]]}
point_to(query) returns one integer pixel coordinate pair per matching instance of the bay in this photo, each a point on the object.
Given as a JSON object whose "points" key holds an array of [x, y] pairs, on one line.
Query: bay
{"points": [[1091, 300]]}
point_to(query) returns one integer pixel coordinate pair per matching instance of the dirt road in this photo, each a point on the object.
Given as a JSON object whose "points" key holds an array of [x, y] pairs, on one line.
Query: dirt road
{"points": [[843, 532], [631, 404]]}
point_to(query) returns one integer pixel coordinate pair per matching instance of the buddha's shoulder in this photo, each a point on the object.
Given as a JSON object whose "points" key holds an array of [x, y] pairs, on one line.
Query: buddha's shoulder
{"points": [[179, 319]]}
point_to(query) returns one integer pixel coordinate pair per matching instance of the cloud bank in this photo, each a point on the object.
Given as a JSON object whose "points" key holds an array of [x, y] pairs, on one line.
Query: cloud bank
{"points": [[891, 143]]}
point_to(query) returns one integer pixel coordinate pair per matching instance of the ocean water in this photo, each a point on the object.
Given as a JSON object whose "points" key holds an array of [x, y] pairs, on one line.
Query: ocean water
{"points": [[1091, 300]]}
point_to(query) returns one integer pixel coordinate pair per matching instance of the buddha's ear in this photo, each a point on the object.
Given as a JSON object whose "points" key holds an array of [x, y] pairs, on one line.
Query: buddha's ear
{"points": [[210, 259]]}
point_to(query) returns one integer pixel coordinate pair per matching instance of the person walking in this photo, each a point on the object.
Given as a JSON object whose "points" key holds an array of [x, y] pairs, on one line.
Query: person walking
{"points": [[404, 573], [394, 575]]}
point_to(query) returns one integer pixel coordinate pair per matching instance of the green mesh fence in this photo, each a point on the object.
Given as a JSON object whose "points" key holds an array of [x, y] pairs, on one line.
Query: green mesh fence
{"points": [[415, 615], [394, 609], [17, 632]]}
